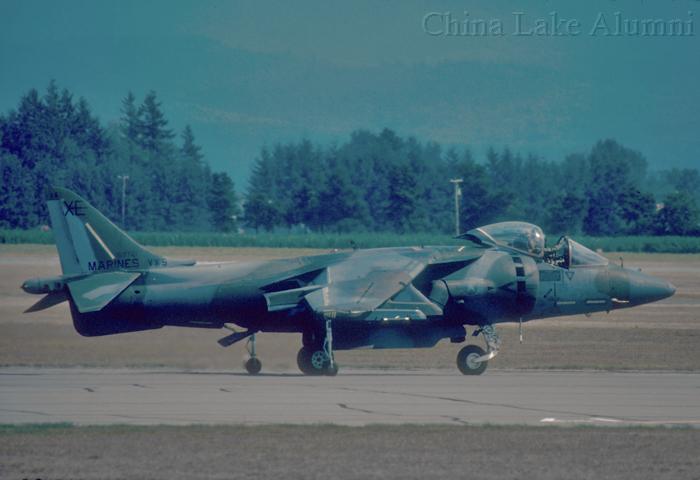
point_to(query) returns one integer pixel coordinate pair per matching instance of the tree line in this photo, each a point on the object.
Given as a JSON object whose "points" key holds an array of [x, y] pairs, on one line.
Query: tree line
{"points": [[379, 182], [54, 139], [373, 182]]}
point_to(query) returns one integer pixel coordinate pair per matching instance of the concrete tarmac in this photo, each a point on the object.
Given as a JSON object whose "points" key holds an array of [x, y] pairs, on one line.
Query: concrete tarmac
{"points": [[359, 397]]}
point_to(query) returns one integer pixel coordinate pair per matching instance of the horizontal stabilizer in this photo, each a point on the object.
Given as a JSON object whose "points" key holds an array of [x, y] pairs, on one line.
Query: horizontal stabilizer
{"points": [[287, 299], [48, 301], [93, 293]]}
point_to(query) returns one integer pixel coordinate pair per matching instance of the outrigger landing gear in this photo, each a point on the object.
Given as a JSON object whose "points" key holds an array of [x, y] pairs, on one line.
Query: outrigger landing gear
{"points": [[253, 365], [314, 359], [472, 359]]}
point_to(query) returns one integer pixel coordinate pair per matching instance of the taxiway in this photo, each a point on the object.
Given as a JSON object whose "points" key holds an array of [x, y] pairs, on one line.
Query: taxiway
{"points": [[354, 397]]}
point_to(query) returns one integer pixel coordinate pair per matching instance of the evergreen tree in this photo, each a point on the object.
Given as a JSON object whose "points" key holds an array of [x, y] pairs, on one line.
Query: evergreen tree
{"points": [[190, 149], [260, 208], [372, 182], [130, 120], [344, 208], [261, 212], [56, 142], [190, 194], [308, 179], [478, 206], [222, 203], [153, 134], [15, 185]]}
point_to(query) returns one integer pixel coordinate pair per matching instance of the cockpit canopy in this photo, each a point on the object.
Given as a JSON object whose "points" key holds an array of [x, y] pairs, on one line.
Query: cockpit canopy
{"points": [[522, 236], [568, 253], [530, 239]]}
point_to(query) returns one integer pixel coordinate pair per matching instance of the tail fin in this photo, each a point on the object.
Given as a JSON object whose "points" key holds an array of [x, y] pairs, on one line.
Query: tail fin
{"points": [[88, 242]]}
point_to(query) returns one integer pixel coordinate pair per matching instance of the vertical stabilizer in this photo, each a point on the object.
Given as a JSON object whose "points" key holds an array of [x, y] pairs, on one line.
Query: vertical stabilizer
{"points": [[66, 252], [88, 242]]}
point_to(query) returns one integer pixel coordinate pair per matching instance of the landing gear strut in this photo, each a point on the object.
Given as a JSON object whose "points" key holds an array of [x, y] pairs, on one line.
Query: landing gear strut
{"points": [[253, 365], [315, 359], [472, 359]]}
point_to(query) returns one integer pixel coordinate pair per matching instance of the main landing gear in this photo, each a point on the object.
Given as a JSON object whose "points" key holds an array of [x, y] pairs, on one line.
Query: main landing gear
{"points": [[472, 359], [316, 357]]}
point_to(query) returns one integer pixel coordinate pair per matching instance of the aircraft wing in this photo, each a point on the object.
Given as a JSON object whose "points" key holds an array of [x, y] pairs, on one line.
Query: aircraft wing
{"points": [[359, 296], [373, 287]]}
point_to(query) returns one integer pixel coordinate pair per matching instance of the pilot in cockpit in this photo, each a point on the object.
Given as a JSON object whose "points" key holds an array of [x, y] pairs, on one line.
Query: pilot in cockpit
{"points": [[558, 255]]}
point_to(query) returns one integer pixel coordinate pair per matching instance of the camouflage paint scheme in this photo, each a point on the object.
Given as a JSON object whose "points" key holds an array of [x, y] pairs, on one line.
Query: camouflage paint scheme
{"points": [[379, 298]]}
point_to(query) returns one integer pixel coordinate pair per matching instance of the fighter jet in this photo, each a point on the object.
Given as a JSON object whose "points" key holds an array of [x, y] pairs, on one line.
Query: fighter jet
{"points": [[408, 297]]}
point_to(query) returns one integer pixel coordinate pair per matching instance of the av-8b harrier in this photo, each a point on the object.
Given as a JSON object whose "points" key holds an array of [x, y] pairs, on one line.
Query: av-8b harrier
{"points": [[409, 297]]}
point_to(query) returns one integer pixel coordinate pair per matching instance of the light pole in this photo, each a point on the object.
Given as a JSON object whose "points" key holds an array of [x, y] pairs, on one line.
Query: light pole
{"points": [[123, 178], [458, 193]]}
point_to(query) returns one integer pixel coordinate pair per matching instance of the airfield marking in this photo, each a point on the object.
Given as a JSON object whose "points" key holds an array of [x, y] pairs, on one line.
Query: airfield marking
{"points": [[603, 420]]}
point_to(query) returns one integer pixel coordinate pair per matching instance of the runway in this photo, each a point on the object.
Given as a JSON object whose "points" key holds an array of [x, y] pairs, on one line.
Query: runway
{"points": [[359, 397]]}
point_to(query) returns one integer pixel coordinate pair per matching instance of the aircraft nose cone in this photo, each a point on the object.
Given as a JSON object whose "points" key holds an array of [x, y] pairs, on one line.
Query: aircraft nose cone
{"points": [[646, 288]]}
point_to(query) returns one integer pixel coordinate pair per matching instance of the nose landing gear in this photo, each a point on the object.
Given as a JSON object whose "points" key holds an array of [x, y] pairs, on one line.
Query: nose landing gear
{"points": [[472, 359], [468, 360]]}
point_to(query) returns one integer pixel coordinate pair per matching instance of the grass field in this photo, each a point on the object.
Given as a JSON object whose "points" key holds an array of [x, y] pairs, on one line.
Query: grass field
{"points": [[649, 244], [310, 452], [659, 336]]}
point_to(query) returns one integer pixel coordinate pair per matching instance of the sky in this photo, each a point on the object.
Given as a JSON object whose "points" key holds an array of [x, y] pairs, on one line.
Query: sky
{"points": [[544, 77]]}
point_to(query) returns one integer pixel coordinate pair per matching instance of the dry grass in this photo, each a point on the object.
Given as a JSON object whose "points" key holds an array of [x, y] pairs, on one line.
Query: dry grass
{"points": [[308, 452]]}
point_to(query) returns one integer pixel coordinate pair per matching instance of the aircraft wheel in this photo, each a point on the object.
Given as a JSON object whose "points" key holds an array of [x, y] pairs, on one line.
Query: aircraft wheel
{"points": [[315, 362], [466, 363], [304, 362], [320, 361], [253, 366]]}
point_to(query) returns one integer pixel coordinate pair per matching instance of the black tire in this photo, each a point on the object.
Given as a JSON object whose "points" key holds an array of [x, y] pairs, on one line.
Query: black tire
{"points": [[304, 362], [332, 371], [253, 366], [308, 339], [308, 368], [465, 363]]}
